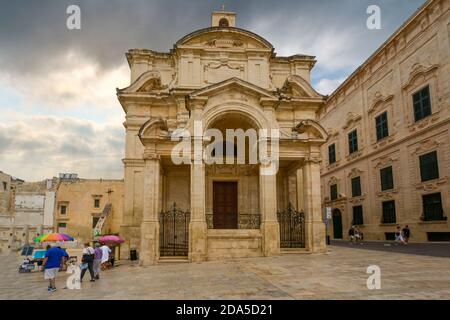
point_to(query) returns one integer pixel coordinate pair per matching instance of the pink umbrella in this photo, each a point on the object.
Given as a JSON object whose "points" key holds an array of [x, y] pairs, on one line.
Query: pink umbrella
{"points": [[111, 238]]}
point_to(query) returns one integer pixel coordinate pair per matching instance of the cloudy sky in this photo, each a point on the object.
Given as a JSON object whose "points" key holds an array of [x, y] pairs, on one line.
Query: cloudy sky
{"points": [[58, 109]]}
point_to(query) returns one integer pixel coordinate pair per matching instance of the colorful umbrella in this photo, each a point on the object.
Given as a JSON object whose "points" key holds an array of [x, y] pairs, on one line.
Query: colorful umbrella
{"points": [[54, 237], [111, 238]]}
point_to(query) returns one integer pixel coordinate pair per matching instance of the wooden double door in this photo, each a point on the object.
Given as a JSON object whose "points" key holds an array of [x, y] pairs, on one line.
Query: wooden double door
{"points": [[225, 205]]}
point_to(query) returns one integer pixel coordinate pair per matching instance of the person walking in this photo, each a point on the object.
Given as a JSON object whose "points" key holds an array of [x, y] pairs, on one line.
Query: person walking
{"points": [[351, 233], [87, 262], [105, 254], [98, 253], [52, 263], [406, 233], [357, 234], [399, 235]]}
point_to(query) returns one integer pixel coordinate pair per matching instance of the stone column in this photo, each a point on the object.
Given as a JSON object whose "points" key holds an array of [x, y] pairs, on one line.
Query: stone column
{"points": [[270, 228], [315, 227], [197, 225], [300, 191], [149, 252]]}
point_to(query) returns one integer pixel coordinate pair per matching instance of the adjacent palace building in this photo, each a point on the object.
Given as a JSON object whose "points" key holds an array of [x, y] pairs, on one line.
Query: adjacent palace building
{"points": [[376, 152], [387, 158]]}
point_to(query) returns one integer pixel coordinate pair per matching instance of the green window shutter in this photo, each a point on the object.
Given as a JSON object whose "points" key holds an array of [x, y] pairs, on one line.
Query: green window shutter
{"points": [[387, 179], [382, 126], [356, 187], [333, 192], [358, 218], [422, 104], [389, 215], [429, 169], [432, 207], [332, 154], [353, 141]]}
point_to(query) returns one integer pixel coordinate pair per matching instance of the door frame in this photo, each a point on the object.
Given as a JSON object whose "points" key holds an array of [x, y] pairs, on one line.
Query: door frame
{"points": [[225, 180], [334, 227]]}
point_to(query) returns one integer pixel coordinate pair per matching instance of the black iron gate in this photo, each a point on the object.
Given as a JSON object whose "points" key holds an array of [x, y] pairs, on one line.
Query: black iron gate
{"points": [[292, 228], [173, 233]]}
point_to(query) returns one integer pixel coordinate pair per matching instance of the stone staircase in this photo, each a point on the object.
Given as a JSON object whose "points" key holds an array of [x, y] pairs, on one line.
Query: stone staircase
{"points": [[173, 260], [101, 221]]}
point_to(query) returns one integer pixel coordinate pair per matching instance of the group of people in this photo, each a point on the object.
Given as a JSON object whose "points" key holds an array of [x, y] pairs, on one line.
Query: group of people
{"points": [[355, 234], [91, 260], [402, 235]]}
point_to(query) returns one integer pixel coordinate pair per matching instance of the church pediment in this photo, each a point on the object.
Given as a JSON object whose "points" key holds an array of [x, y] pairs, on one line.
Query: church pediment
{"points": [[222, 38], [234, 83], [297, 87]]}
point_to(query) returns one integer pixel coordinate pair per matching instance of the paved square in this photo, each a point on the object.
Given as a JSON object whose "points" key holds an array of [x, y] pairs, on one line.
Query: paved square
{"points": [[340, 274]]}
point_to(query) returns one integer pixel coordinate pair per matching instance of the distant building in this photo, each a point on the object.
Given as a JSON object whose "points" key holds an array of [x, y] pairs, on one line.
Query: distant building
{"points": [[26, 211], [84, 206], [386, 161]]}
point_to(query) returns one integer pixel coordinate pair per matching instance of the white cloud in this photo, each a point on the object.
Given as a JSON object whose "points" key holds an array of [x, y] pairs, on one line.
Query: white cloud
{"points": [[67, 119], [327, 86], [38, 147], [70, 82]]}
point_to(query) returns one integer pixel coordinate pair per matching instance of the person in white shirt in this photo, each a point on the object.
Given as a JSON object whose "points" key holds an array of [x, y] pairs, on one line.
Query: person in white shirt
{"points": [[87, 262], [105, 253]]}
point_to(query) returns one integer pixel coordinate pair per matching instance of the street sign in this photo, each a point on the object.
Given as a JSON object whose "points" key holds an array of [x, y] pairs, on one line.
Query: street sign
{"points": [[329, 216]]}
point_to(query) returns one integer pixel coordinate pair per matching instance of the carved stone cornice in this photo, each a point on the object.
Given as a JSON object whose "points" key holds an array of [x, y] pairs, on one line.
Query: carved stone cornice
{"points": [[196, 103], [379, 100], [332, 133], [355, 172], [357, 200], [224, 43], [418, 70], [416, 126], [151, 155], [356, 154], [133, 162], [424, 146], [313, 159], [351, 120], [333, 180], [385, 161], [433, 185], [388, 194]]}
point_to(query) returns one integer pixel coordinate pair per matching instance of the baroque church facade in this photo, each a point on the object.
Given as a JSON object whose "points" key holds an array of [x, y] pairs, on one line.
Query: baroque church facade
{"points": [[222, 77]]}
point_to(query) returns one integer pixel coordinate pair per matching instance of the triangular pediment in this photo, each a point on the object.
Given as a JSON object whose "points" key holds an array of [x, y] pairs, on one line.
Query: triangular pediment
{"points": [[232, 83]]}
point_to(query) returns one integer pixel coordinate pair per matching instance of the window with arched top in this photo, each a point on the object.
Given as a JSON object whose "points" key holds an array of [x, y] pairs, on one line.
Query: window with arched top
{"points": [[224, 23]]}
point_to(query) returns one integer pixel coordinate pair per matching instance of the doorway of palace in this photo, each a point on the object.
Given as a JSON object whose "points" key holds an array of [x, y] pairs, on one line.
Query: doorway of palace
{"points": [[337, 224], [225, 205]]}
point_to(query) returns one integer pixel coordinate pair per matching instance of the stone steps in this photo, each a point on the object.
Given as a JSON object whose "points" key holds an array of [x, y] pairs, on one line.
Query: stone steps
{"points": [[294, 250], [173, 260]]}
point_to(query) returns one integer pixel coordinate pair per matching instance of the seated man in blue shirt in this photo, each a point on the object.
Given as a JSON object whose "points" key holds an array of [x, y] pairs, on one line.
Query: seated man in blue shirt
{"points": [[52, 263]]}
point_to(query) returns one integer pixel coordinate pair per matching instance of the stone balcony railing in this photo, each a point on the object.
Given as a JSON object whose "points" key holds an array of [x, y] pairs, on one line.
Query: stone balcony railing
{"points": [[245, 221]]}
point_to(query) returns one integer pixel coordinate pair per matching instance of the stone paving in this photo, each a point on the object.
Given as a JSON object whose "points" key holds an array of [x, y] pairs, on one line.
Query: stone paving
{"points": [[340, 274]]}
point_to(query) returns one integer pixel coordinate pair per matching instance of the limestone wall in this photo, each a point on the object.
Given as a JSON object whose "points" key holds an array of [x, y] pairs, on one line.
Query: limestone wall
{"points": [[416, 56], [78, 197]]}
